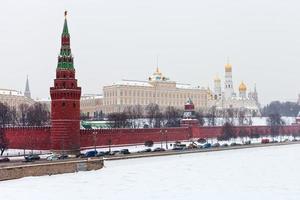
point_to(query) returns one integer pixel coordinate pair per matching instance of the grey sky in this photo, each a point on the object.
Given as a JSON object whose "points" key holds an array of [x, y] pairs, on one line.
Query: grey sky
{"points": [[119, 39]]}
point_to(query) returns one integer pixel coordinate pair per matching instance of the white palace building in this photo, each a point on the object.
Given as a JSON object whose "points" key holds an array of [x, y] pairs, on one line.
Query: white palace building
{"points": [[158, 89]]}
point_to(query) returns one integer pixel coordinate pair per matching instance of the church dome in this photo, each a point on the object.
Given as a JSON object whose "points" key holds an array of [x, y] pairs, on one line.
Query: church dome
{"points": [[217, 79], [158, 76], [242, 87], [228, 67]]}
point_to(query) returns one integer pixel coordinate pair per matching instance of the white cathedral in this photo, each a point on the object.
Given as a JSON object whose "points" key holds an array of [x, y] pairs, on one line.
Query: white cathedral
{"points": [[228, 99]]}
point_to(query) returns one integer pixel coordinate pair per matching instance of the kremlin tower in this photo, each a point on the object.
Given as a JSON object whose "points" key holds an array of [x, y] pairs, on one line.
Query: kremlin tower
{"points": [[228, 92], [65, 101], [243, 90]]}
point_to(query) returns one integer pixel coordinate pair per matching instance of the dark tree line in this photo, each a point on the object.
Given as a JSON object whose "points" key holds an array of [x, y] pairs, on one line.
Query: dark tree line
{"points": [[136, 116], [289, 109]]}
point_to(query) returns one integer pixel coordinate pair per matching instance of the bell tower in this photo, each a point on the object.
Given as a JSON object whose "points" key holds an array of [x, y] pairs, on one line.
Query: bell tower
{"points": [[65, 101]]}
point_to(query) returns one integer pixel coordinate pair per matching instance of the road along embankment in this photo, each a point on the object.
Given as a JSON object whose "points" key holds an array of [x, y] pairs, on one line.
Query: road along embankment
{"points": [[179, 152], [49, 168]]}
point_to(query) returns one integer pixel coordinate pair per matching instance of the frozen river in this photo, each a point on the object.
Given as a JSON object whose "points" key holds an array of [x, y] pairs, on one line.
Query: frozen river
{"points": [[259, 173]]}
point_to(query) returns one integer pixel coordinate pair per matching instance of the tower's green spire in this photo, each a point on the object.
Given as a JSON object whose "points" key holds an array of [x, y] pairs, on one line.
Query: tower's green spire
{"points": [[65, 58], [65, 29]]}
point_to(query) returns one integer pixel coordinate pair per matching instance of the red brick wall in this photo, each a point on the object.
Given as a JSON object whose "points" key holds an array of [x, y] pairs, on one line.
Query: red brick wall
{"points": [[39, 137], [131, 136], [28, 138]]}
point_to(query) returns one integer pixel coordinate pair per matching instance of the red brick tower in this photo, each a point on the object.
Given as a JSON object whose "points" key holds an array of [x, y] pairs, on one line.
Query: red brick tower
{"points": [[65, 101]]}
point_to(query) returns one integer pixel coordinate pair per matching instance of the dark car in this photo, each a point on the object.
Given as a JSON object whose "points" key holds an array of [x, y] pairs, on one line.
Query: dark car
{"points": [[158, 149], [90, 154], [63, 156], [124, 151], [145, 150], [215, 145], [248, 142], [207, 145], [32, 157], [101, 154], [224, 145], [4, 159]]}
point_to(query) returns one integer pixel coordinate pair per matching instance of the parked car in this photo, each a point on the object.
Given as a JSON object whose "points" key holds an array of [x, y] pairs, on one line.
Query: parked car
{"points": [[224, 145], [90, 154], [158, 149], [145, 151], [101, 154], [192, 146], [63, 156], [124, 151], [52, 157], [4, 159], [235, 144], [32, 157], [248, 142], [178, 146], [215, 145], [207, 145], [265, 141]]}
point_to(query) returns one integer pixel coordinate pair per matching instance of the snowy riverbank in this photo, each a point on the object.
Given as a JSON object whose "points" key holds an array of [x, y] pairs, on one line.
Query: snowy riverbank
{"points": [[258, 173]]}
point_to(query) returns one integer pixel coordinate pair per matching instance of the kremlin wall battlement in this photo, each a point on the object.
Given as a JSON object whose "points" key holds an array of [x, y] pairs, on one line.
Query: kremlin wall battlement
{"points": [[39, 137]]}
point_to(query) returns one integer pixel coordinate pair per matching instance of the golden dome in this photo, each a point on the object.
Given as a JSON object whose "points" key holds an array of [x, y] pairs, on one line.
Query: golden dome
{"points": [[228, 67], [242, 87], [217, 79]]}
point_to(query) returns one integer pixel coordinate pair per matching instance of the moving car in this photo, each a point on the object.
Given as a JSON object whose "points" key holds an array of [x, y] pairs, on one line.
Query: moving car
{"points": [[52, 157], [215, 145], [4, 159], [145, 151], [90, 154], [265, 141], [124, 151], [101, 154], [32, 157], [207, 145], [158, 149], [63, 156], [224, 145]]}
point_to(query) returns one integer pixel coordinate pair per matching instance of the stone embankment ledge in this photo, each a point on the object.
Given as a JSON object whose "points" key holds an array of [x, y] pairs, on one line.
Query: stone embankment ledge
{"points": [[179, 152], [49, 168]]}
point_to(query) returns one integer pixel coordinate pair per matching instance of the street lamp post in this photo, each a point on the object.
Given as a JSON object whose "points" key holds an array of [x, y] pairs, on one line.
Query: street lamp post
{"points": [[166, 131], [94, 136], [163, 133], [161, 140]]}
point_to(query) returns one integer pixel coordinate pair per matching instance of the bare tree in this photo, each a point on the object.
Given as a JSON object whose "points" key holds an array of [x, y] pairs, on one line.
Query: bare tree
{"points": [[172, 116], [154, 115], [228, 132], [4, 121], [38, 115], [241, 116], [275, 122], [200, 117], [134, 114], [119, 119], [211, 116]]}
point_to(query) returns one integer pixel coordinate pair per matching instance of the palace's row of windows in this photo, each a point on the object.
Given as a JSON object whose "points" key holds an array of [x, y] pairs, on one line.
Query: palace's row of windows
{"points": [[148, 101], [154, 94]]}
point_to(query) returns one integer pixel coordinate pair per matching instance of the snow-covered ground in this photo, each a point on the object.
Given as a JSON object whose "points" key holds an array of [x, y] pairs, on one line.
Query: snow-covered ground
{"points": [[259, 173]]}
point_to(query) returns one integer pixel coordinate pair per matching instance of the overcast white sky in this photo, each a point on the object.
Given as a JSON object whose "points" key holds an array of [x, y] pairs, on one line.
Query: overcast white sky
{"points": [[118, 39]]}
